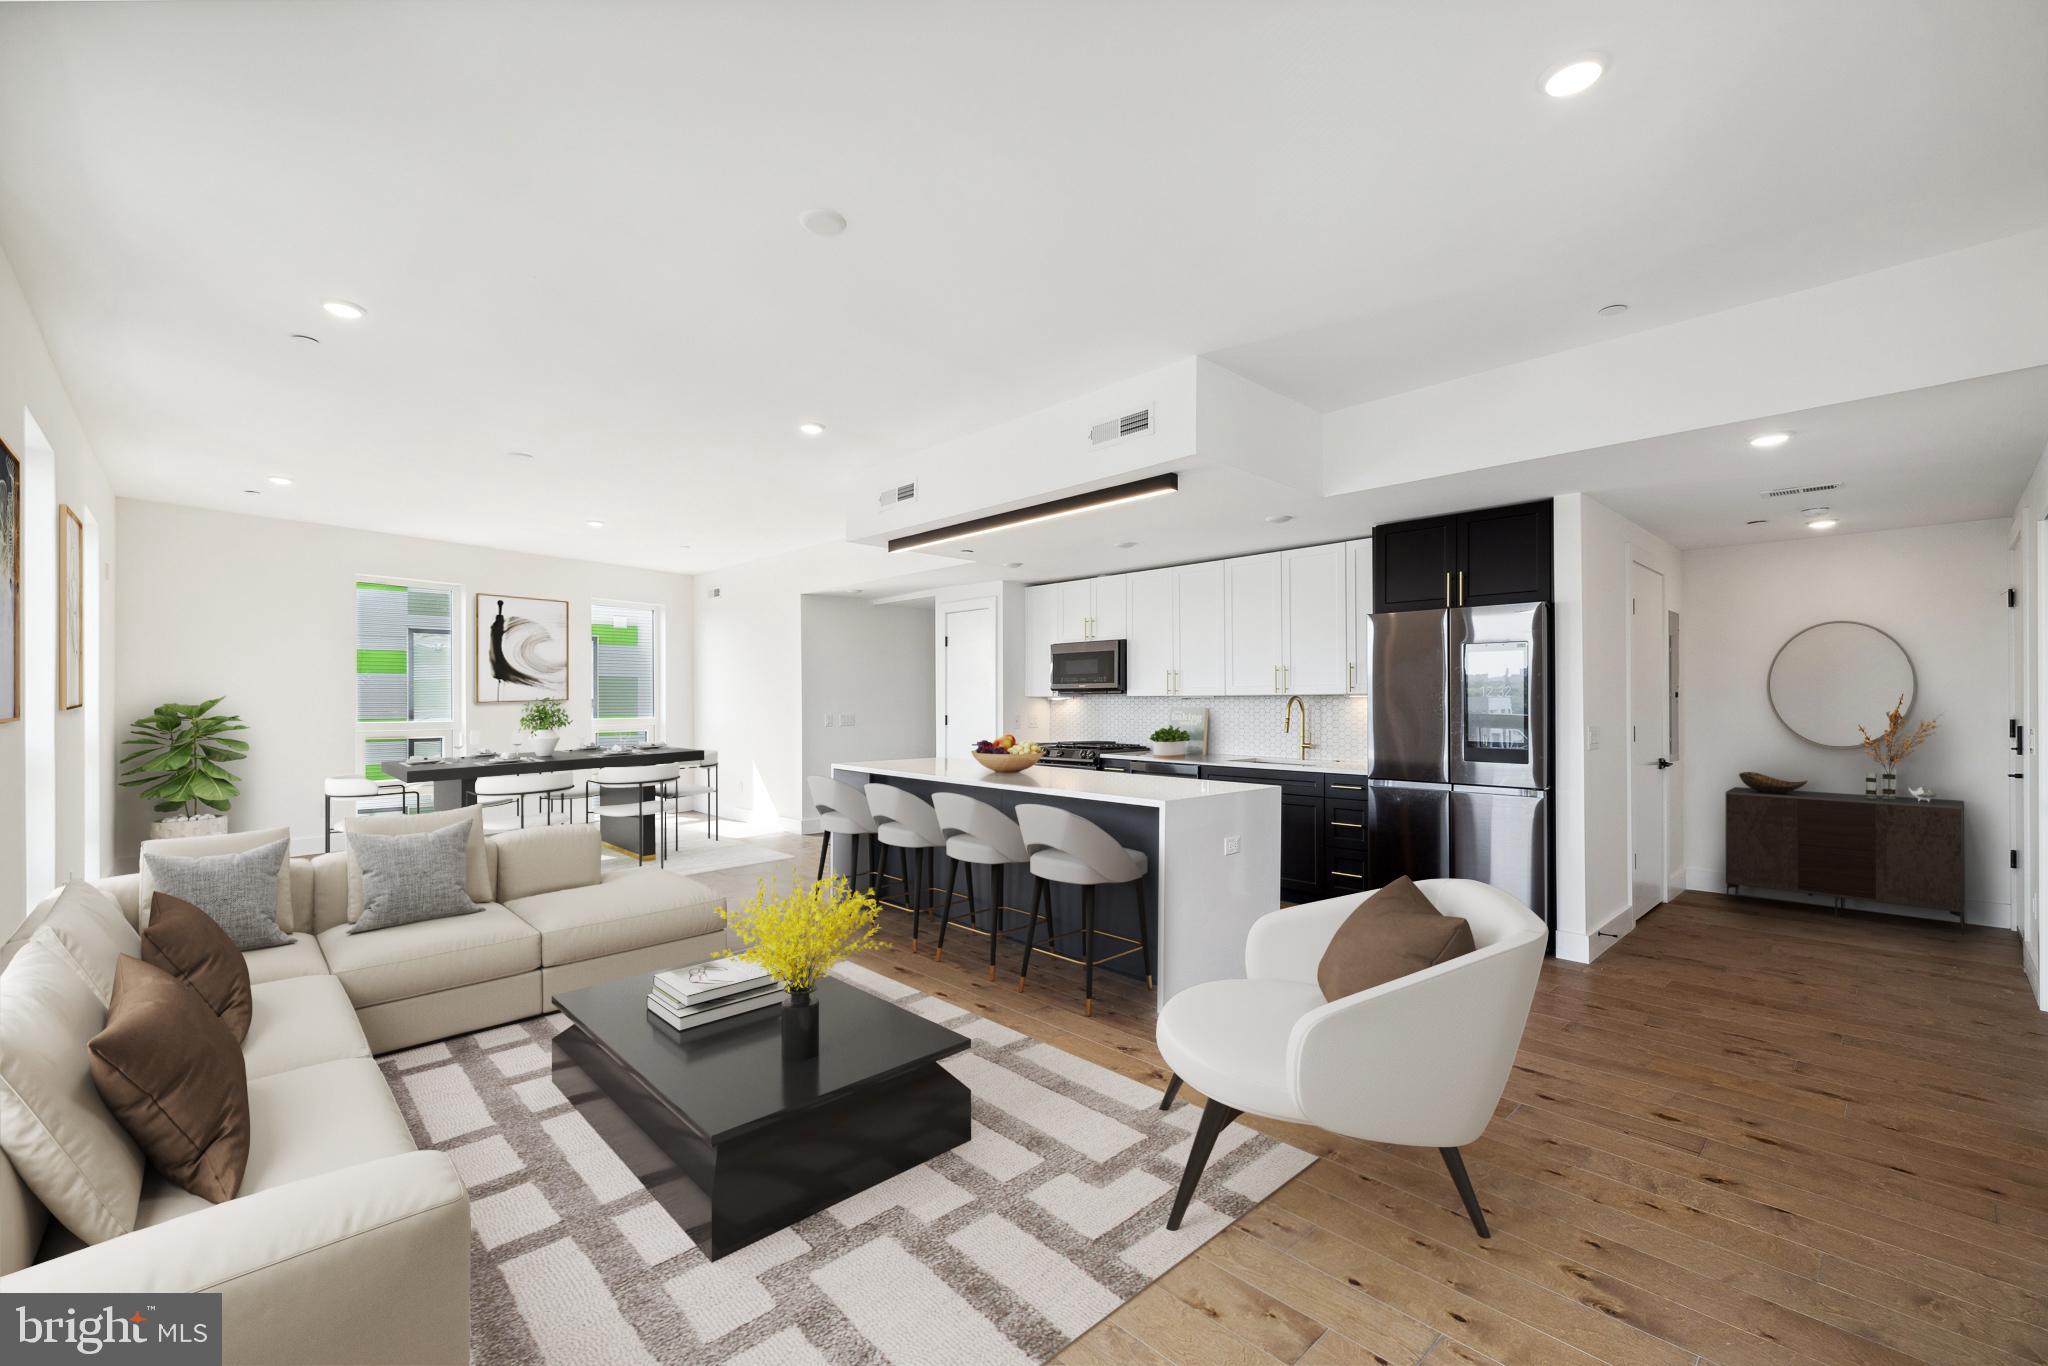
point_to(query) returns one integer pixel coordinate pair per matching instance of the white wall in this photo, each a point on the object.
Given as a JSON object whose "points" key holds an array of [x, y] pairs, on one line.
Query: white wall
{"points": [[263, 611], [867, 684], [48, 783], [1940, 591], [1594, 547]]}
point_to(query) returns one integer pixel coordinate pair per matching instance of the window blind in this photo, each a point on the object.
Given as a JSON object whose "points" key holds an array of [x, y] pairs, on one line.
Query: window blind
{"points": [[405, 652], [624, 645]]}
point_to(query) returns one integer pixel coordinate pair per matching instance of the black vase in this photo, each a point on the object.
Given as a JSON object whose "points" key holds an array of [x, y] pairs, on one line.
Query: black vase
{"points": [[799, 1025]]}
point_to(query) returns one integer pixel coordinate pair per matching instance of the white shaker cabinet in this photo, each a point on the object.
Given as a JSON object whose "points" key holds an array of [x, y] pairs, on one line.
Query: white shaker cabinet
{"points": [[1151, 649], [1254, 596], [1202, 638], [1358, 570], [1316, 659], [1111, 619], [1077, 609], [1041, 626]]}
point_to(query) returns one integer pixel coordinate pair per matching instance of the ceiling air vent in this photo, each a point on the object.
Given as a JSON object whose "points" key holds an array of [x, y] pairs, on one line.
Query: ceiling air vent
{"points": [[1116, 429], [897, 493], [1800, 490]]}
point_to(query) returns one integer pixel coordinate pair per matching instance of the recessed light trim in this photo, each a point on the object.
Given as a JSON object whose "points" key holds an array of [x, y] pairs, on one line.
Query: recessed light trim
{"points": [[1126, 545], [1575, 77], [1821, 524], [1613, 310], [305, 337], [593, 523], [824, 222], [1757, 521], [1769, 441], [346, 311], [283, 481], [1279, 517], [1115, 494], [1014, 564], [811, 428]]}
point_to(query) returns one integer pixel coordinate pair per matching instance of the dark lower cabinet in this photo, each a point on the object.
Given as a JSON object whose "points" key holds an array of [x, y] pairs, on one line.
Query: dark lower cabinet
{"points": [[1301, 847], [1893, 850]]}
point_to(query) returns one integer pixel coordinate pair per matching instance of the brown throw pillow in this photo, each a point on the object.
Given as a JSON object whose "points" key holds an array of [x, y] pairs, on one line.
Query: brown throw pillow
{"points": [[1393, 932], [187, 943], [174, 1078]]}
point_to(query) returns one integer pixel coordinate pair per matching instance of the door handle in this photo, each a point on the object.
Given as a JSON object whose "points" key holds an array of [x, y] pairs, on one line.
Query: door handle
{"points": [[2015, 775], [1276, 678], [1663, 762], [1461, 588], [1447, 588], [1351, 674]]}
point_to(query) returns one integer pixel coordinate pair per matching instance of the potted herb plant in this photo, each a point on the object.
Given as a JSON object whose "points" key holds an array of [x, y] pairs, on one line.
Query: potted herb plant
{"points": [[542, 718], [1170, 742], [178, 756], [796, 937]]}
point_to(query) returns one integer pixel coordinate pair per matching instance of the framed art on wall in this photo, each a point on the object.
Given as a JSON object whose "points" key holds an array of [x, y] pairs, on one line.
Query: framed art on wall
{"points": [[522, 648], [10, 585], [70, 609]]}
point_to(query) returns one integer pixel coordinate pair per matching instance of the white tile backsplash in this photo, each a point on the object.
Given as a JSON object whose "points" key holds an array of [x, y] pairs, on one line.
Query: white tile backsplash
{"points": [[1237, 725]]}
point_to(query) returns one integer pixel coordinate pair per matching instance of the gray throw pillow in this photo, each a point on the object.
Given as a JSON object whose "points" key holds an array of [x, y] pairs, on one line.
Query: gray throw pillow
{"points": [[238, 891], [410, 878]]}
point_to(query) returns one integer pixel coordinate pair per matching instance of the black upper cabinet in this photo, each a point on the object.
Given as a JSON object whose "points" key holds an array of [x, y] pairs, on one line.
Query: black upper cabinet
{"points": [[1470, 559]]}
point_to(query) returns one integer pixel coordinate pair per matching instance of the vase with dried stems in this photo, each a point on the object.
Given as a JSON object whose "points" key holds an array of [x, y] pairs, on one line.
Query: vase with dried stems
{"points": [[1894, 743]]}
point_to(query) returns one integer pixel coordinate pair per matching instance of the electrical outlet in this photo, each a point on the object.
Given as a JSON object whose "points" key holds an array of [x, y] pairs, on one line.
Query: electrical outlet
{"points": [[846, 718], [1231, 845], [1592, 737]]}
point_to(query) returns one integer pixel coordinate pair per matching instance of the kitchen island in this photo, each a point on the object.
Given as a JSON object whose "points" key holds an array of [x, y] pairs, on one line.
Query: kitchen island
{"points": [[1213, 850]]}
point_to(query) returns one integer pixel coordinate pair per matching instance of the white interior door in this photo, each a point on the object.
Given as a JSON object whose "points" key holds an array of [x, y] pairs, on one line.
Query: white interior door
{"points": [[1649, 729], [2016, 784], [970, 710]]}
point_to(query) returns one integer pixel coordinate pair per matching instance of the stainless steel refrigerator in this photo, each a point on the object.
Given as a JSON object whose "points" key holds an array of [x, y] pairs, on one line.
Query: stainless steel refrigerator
{"points": [[1459, 776]]}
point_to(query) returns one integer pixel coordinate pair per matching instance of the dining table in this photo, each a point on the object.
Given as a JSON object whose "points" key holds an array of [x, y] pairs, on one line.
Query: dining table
{"points": [[453, 781]]}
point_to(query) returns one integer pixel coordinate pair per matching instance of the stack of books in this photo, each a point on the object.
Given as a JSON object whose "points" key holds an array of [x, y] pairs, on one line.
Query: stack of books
{"points": [[684, 998]]}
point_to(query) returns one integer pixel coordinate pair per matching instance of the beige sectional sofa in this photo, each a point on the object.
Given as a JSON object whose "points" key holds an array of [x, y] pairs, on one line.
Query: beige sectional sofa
{"points": [[334, 1195]]}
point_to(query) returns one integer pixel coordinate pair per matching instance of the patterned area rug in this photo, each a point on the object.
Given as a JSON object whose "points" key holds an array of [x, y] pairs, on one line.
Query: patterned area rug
{"points": [[1003, 1250]]}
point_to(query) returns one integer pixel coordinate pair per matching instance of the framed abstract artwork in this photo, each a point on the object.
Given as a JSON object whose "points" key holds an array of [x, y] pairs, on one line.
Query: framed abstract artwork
{"points": [[70, 610], [10, 586], [522, 648]]}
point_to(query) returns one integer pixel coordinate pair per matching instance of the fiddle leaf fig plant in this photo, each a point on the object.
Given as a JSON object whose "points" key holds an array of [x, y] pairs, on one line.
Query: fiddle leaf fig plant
{"points": [[178, 756]]}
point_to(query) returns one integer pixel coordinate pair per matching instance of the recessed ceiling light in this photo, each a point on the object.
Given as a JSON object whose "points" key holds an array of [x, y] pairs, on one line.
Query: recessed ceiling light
{"points": [[811, 428], [1279, 517], [593, 523], [1770, 440], [342, 308], [1126, 545], [1814, 512], [257, 492], [283, 481], [1613, 310], [1821, 524], [1014, 564], [1755, 521], [965, 550], [825, 222], [519, 455], [301, 336], [1573, 78]]}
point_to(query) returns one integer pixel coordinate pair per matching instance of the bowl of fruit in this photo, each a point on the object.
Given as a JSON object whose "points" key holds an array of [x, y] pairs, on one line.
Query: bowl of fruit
{"points": [[1007, 754]]}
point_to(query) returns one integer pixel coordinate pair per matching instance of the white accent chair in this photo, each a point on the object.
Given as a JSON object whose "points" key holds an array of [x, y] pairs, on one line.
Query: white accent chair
{"points": [[355, 791], [906, 823], [1421, 1060], [656, 787], [978, 836], [842, 810], [1075, 851], [498, 789]]}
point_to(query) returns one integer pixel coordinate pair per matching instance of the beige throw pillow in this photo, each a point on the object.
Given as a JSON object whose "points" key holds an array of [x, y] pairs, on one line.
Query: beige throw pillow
{"points": [[87, 927], [205, 846], [477, 866], [67, 1146]]}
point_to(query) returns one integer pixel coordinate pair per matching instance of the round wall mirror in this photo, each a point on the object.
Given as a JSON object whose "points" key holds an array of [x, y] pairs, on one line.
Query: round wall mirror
{"points": [[1831, 678]]}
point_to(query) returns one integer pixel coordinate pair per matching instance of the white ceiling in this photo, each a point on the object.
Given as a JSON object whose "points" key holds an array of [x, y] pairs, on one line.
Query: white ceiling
{"points": [[575, 225]]}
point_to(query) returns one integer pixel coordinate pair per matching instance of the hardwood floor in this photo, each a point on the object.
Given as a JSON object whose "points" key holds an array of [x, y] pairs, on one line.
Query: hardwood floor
{"points": [[1751, 1133]]}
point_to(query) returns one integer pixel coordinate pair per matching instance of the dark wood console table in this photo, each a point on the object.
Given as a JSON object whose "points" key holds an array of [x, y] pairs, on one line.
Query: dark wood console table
{"points": [[1890, 849]]}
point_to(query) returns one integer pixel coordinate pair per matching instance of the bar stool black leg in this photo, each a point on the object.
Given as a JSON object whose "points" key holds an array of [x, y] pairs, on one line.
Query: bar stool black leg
{"points": [[1144, 935], [946, 912], [1088, 948], [1043, 893], [995, 920], [824, 852]]}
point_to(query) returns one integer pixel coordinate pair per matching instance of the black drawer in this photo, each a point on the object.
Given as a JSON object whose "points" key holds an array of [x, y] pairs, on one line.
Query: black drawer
{"points": [[1344, 787], [1295, 782], [1345, 869], [1345, 821]]}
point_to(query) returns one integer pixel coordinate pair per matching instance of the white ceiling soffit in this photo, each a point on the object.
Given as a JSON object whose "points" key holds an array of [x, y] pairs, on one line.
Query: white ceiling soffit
{"points": [[576, 228]]}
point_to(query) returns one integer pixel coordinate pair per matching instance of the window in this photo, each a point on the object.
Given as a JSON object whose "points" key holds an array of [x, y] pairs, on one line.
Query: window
{"points": [[407, 667], [625, 645]]}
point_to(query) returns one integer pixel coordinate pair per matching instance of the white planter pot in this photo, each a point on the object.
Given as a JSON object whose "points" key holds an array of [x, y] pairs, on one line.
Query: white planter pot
{"points": [[1170, 749], [184, 827], [544, 744]]}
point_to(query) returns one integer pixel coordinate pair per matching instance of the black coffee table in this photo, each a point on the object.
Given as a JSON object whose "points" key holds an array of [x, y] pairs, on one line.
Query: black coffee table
{"points": [[735, 1142]]}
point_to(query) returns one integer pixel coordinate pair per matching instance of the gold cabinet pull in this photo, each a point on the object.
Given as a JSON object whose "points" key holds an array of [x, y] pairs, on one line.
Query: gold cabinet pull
{"points": [[1355, 877], [1350, 825], [1347, 787], [1461, 588], [1447, 588]]}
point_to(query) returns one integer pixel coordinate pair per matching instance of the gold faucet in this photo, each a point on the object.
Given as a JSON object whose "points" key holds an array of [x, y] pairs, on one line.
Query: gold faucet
{"points": [[1287, 723]]}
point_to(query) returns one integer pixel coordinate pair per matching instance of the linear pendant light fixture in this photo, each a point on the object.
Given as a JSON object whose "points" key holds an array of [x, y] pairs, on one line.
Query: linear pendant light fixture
{"points": [[1042, 512]]}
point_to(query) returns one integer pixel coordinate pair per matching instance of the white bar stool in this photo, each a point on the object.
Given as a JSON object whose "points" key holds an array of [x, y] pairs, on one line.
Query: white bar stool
{"points": [[842, 810], [517, 787], [355, 790], [659, 778], [906, 823], [978, 835], [1069, 849]]}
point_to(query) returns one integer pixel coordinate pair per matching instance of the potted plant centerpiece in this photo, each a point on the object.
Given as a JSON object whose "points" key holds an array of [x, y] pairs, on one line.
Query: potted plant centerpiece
{"points": [[1170, 742], [542, 718], [796, 937], [178, 756]]}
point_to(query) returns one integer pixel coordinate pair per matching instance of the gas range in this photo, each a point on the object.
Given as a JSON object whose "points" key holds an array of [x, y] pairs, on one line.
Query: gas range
{"points": [[1083, 753]]}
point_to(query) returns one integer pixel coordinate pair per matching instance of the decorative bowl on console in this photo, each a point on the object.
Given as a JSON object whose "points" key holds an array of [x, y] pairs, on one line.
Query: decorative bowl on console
{"points": [[1764, 782]]}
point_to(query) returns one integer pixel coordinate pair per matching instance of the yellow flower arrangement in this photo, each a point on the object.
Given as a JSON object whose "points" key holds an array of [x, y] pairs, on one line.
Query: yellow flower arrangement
{"points": [[1895, 742], [797, 936]]}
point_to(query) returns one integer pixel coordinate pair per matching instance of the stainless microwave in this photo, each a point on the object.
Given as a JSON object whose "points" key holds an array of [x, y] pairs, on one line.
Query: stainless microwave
{"points": [[1088, 666]]}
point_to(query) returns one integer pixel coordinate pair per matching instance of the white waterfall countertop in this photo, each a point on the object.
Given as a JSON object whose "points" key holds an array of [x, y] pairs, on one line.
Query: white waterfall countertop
{"points": [[1134, 789]]}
